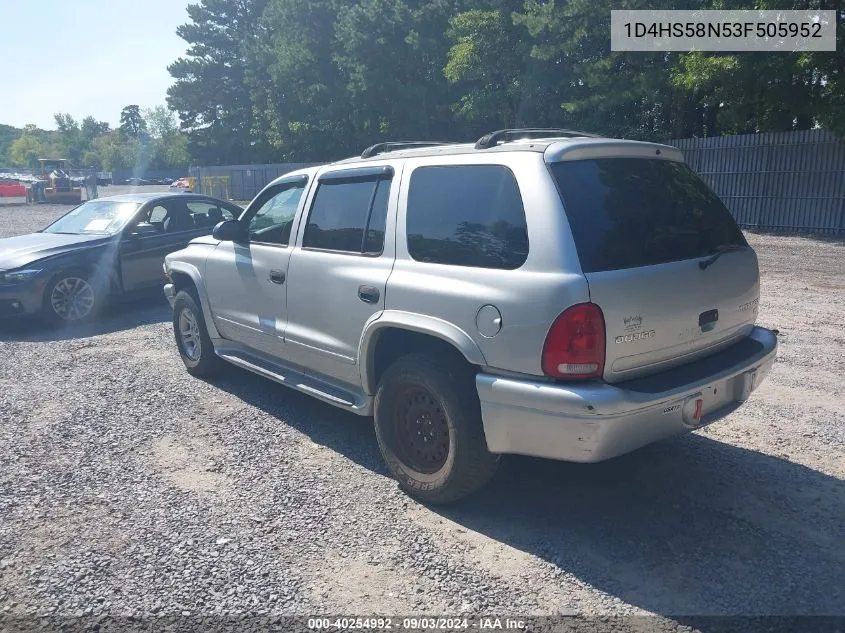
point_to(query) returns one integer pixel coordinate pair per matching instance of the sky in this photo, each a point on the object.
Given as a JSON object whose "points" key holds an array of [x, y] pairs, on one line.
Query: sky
{"points": [[85, 57]]}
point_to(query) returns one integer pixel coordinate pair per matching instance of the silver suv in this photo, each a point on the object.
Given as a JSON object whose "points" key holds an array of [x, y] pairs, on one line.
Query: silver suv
{"points": [[541, 292]]}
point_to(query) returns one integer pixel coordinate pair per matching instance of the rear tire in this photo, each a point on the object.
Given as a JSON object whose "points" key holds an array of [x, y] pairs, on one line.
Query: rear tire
{"points": [[192, 337], [429, 430]]}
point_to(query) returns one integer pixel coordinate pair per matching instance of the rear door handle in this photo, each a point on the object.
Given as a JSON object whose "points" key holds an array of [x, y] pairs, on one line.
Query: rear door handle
{"points": [[277, 276], [368, 294]]}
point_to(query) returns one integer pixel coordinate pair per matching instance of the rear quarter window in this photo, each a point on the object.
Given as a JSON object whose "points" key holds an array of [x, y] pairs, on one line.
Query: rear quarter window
{"points": [[466, 215], [632, 212]]}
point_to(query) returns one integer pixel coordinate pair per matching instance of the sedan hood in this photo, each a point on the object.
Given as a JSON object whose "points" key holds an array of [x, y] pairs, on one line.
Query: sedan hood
{"points": [[22, 250]]}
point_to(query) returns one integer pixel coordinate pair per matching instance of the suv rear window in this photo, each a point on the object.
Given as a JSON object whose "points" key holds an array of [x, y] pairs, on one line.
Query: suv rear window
{"points": [[630, 212], [466, 215]]}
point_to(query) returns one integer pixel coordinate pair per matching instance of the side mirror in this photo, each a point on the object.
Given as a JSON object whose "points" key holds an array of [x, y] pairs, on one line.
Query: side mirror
{"points": [[229, 231], [144, 228]]}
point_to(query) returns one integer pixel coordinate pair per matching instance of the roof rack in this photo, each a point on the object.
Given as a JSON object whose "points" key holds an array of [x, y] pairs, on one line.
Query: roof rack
{"points": [[494, 138], [380, 148]]}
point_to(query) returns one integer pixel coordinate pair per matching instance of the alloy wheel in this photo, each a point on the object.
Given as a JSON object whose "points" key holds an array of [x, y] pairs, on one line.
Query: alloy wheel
{"points": [[72, 299], [189, 332]]}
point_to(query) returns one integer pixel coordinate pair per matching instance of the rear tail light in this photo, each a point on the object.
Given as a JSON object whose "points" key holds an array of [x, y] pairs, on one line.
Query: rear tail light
{"points": [[575, 345]]}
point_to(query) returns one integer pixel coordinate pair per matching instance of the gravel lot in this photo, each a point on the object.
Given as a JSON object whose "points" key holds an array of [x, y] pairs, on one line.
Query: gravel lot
{"points": [[128, 487]]}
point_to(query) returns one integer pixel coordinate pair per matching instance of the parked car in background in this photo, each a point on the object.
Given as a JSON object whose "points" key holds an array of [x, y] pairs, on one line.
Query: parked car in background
{"points": [[183, 184], [540, 292], [100, 250]]}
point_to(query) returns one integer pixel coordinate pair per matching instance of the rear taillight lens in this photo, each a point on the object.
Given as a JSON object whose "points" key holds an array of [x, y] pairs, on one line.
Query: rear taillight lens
{"points": [[575, 345]]}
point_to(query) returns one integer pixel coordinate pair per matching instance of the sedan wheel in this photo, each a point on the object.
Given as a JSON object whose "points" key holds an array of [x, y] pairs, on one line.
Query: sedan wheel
{"points": [[72, 299]]}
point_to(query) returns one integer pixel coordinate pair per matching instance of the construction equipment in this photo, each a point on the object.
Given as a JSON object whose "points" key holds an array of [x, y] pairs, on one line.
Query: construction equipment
{"points": [[54, 184]]}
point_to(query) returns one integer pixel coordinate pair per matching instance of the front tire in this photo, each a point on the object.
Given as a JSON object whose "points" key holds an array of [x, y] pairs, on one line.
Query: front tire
{"points": [[429, 430], [192, 337], [72, 297]]}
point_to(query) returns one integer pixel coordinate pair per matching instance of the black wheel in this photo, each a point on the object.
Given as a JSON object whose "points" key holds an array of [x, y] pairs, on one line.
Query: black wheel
{"points": [[428, 425], [72, 297], [192, 338]]}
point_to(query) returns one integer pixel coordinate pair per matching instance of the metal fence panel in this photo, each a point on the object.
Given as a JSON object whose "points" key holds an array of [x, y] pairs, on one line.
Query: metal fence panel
{"points": [[778, 181], [241, 182]]}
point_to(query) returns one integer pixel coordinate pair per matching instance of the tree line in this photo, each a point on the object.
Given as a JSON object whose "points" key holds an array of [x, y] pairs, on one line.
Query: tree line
{"points": [[145, 139], [314, 80]]}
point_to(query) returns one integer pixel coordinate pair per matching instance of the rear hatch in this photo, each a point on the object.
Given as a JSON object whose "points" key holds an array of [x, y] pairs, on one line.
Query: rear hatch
{"points": [[664, 260]]}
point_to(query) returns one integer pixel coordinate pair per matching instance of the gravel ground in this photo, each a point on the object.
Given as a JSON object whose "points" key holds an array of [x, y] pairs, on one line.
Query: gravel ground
{"points": [[128, 487]]}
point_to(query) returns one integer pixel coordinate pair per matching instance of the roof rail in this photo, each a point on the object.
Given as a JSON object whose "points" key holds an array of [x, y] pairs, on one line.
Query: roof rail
{"points": [[380, 148], [493, 138]]}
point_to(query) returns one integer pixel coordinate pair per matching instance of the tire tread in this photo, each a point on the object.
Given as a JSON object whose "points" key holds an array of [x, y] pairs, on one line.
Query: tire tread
{"points": [[475, 465], [209, 363]]}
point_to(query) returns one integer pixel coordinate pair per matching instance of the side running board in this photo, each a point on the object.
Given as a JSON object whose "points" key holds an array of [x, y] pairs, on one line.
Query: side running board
{"points": [[297, 380]]}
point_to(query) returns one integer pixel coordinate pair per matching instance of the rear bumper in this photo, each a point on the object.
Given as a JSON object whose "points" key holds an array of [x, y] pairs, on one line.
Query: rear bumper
{"points": [[594, 421]]}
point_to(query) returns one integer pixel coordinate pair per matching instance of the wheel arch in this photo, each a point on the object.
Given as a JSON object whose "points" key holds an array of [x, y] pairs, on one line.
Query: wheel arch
{"points": [[100, 265], [185, 276], [392, 334]]}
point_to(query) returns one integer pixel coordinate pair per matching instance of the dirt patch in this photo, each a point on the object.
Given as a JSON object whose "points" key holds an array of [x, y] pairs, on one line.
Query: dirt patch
{"points": [[189, 464], [352, 585]]}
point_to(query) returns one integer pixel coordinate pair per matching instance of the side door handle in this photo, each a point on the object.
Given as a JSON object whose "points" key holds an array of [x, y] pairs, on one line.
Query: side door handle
{"points": [[277, 276], [368, 294]]}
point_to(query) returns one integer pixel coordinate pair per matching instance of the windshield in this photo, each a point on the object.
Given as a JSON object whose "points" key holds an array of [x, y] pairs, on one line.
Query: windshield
{"points": [[96, 217], [631, 212]]}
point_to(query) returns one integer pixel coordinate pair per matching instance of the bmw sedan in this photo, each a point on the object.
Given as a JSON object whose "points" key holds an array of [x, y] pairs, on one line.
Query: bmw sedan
{"points": [[102, 249]]}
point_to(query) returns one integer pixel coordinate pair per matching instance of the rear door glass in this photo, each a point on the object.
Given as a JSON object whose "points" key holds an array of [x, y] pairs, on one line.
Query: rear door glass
{"points": [[467, 215], [349, 216], [631, 212]]}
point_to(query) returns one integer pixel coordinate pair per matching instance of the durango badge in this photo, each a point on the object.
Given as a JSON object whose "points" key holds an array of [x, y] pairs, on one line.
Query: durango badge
{"points": [[636, 336]]}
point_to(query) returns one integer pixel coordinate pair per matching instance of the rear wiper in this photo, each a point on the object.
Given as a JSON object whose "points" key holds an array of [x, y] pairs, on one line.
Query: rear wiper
{"points": [[719, 251]]}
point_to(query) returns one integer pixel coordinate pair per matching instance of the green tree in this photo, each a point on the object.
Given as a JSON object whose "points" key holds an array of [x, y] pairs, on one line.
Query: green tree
{"points": [[316, 80], [404, 94], [117, 150], [211, 93], [496, 90], [615, 93], [297, 85], [8, 135], [161, 122], [68, 138], [170, 153], [769, 92], [168, 145], [26, 149], [132, 122], [91, 129]]}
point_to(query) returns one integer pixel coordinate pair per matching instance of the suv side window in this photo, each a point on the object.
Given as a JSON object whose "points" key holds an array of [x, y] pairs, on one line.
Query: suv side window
{"points": [[273, 221], [349, 216], [467, 215]]}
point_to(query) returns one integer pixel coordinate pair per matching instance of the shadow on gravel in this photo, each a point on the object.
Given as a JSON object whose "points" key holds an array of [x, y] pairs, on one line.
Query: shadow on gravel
{"points": [[350, 435], [115, 318], [689, 526]]}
